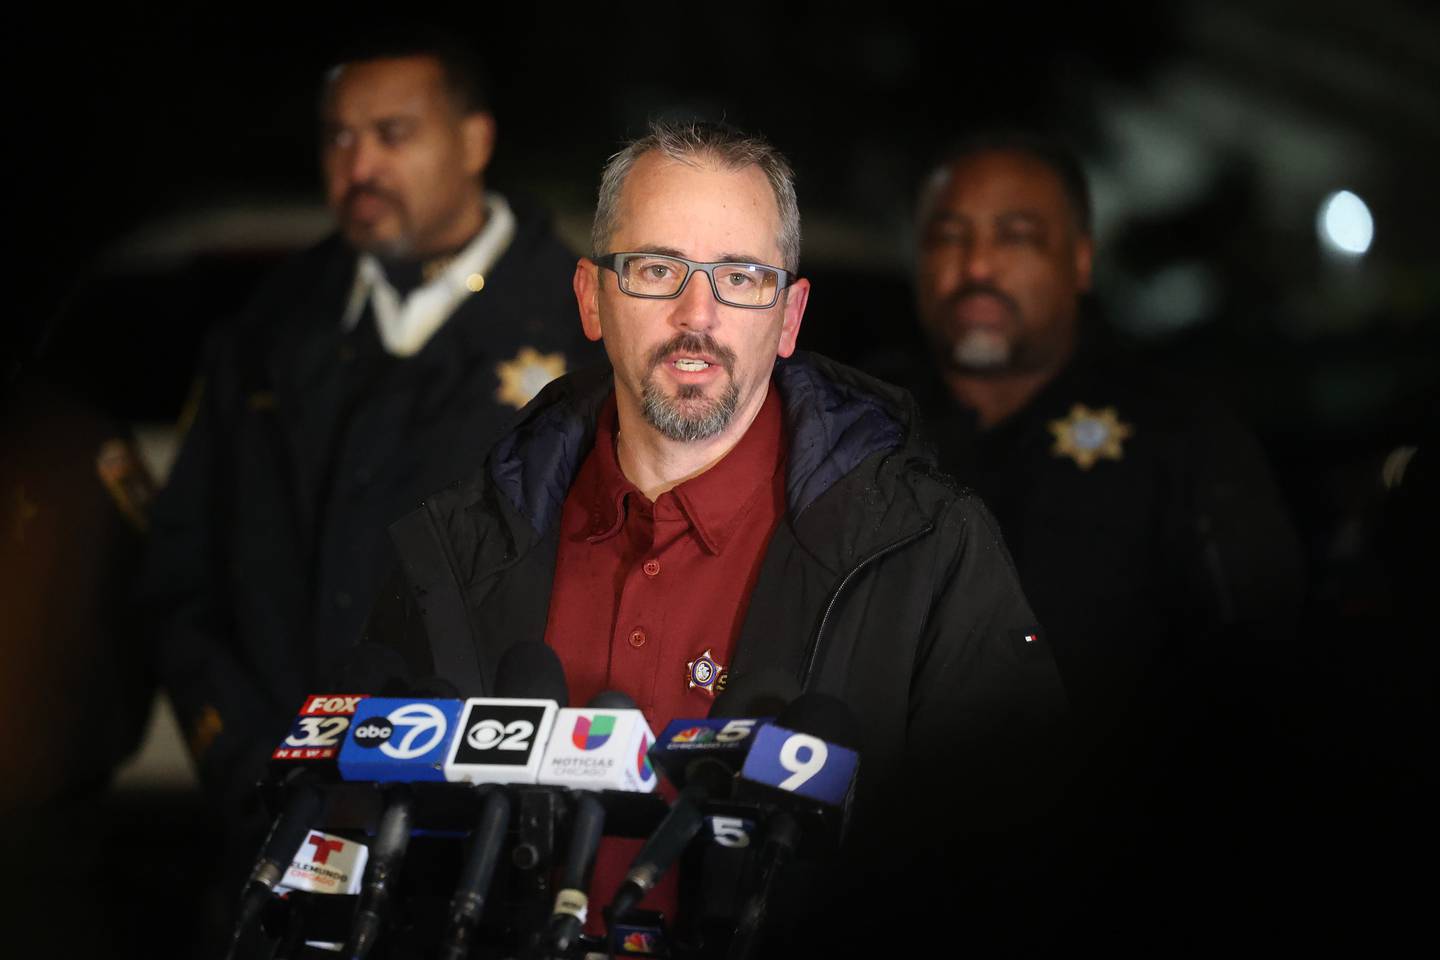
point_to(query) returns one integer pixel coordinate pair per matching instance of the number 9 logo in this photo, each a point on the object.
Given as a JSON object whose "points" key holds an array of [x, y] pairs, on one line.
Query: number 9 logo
{"points": [[802, 768]]}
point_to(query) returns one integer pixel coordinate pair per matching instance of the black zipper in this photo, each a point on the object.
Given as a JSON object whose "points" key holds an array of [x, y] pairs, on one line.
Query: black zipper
{"points": [[814, 652]]}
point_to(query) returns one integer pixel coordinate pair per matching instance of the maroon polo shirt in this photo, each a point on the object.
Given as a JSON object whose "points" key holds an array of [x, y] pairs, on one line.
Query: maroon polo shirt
{"points": [[645, 590]]}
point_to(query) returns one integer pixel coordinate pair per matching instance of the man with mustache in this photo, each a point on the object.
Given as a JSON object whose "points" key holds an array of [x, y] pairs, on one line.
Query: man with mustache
{"points": [[370, 370], [1145, 525], [718, 504]]}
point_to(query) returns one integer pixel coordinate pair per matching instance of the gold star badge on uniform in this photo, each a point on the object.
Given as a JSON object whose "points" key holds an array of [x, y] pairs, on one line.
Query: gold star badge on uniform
{"points": [[1086, 435], [525, 376], [705, 674]]}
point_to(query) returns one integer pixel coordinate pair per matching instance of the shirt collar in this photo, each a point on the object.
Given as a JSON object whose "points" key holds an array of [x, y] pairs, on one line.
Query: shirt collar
{"points": [[452, 285], [716, 502]]}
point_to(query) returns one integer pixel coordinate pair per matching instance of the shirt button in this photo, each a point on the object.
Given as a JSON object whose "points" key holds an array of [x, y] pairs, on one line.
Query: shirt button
{"points": [[637, 638], [652, 568]]}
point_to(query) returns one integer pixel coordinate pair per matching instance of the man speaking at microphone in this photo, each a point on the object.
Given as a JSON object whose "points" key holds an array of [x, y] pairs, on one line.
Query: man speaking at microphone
{"points": [[716, 503]]}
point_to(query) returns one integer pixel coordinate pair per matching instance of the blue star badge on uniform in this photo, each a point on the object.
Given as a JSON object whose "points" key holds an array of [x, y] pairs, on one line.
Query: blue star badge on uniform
{"points": [[704, 674], [1086, 435], [526, 375]]}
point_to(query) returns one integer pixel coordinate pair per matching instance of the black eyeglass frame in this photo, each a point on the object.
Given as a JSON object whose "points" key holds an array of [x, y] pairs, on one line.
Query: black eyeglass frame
{"points": [[614, 261]]}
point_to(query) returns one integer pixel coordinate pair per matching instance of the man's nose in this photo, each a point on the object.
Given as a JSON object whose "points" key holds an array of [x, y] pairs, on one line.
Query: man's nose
{"points": [[696, 308], [977, 261], [362, 160]]}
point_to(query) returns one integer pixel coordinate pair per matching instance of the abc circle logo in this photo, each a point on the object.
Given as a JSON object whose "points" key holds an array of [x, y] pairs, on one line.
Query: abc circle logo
{"points": [[373, 732], [408, 732]]}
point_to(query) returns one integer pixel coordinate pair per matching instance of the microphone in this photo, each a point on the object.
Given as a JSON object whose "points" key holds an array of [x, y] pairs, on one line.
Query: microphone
{"points": [[395, 741], [502, 741], [804, 764], [375, 668], [482, 854], [303, 761], [326, 863], [761, 693], [605, 748], [601, 747], [701, 758]]}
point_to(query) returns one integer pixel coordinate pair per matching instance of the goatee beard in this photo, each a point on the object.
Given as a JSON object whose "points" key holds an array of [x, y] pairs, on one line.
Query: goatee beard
{"points": [[675, 422], [677, 418], [981, 351]]}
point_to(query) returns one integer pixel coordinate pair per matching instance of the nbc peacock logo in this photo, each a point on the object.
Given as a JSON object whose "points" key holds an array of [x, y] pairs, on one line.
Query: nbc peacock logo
{"points": [[694, 735], [592, 734], [638, 942]]}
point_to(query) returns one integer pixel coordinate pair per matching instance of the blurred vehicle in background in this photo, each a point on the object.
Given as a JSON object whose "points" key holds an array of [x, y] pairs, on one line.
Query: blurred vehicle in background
{"points": [[128, 341]]}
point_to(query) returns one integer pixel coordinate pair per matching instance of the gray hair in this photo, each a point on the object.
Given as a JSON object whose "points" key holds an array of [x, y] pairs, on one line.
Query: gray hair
{"points": [[696, 143]]}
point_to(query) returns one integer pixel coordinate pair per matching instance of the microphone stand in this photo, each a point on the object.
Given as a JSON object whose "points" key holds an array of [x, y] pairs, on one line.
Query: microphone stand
{"points": [[781, 838]]}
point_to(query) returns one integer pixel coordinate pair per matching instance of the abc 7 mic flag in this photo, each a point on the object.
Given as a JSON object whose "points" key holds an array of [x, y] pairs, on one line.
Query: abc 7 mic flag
{"points": [[399, 740]]}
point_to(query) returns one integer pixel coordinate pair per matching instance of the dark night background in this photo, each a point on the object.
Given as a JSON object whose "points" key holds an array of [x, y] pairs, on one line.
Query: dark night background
{"points": [[161, 162]]}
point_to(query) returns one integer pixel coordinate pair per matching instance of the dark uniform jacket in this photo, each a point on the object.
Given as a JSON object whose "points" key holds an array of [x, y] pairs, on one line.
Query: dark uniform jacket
{"points": [[1169, 582], [883, 584], [269, 540], [1173, 559]]}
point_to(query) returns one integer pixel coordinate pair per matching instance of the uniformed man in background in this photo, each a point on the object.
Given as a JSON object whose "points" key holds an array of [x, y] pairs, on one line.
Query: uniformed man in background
{"points": [[369, 371], [1148, 533]]}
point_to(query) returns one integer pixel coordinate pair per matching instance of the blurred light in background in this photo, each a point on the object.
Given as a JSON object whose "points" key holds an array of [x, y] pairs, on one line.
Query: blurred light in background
{"points": [[1345, 224]]}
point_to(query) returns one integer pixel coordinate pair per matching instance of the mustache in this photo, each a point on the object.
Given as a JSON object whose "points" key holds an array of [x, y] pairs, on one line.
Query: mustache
{"points": [[694, 343], [981, 290], [368, 190]]}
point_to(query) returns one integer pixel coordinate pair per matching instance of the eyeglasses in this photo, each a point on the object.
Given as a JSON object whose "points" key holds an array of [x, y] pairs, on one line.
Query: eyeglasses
{"points": [[751, 285]]}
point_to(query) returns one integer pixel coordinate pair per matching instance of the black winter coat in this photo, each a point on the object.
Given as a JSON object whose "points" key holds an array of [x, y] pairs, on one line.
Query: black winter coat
{"points": [[884, 584]]}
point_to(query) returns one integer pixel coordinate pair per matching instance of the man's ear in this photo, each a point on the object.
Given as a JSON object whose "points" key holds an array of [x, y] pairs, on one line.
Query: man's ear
{"points": [[477, 140], [587, 296], [796, 296]]}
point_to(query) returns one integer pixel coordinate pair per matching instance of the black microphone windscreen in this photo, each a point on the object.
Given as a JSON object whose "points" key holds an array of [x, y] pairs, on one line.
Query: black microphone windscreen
{"points": [[612, 700], [375, 669], [437, 688], [531, 671], [823, 716], [761, 693]]}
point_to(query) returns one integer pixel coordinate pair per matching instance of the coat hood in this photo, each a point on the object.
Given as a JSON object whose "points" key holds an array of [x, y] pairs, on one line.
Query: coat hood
{"points": [[835, 418]]}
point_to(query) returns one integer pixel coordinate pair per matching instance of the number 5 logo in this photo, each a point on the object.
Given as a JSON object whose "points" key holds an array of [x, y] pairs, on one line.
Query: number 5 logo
{"points": [[730, 831], [735, 730]]}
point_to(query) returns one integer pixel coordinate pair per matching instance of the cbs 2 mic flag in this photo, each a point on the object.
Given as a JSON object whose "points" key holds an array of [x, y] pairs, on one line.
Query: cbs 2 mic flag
{"points": [[501, 740]]}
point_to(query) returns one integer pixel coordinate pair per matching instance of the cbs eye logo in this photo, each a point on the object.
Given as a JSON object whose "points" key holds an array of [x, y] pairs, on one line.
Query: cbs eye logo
{"points": [[490, 734]]}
